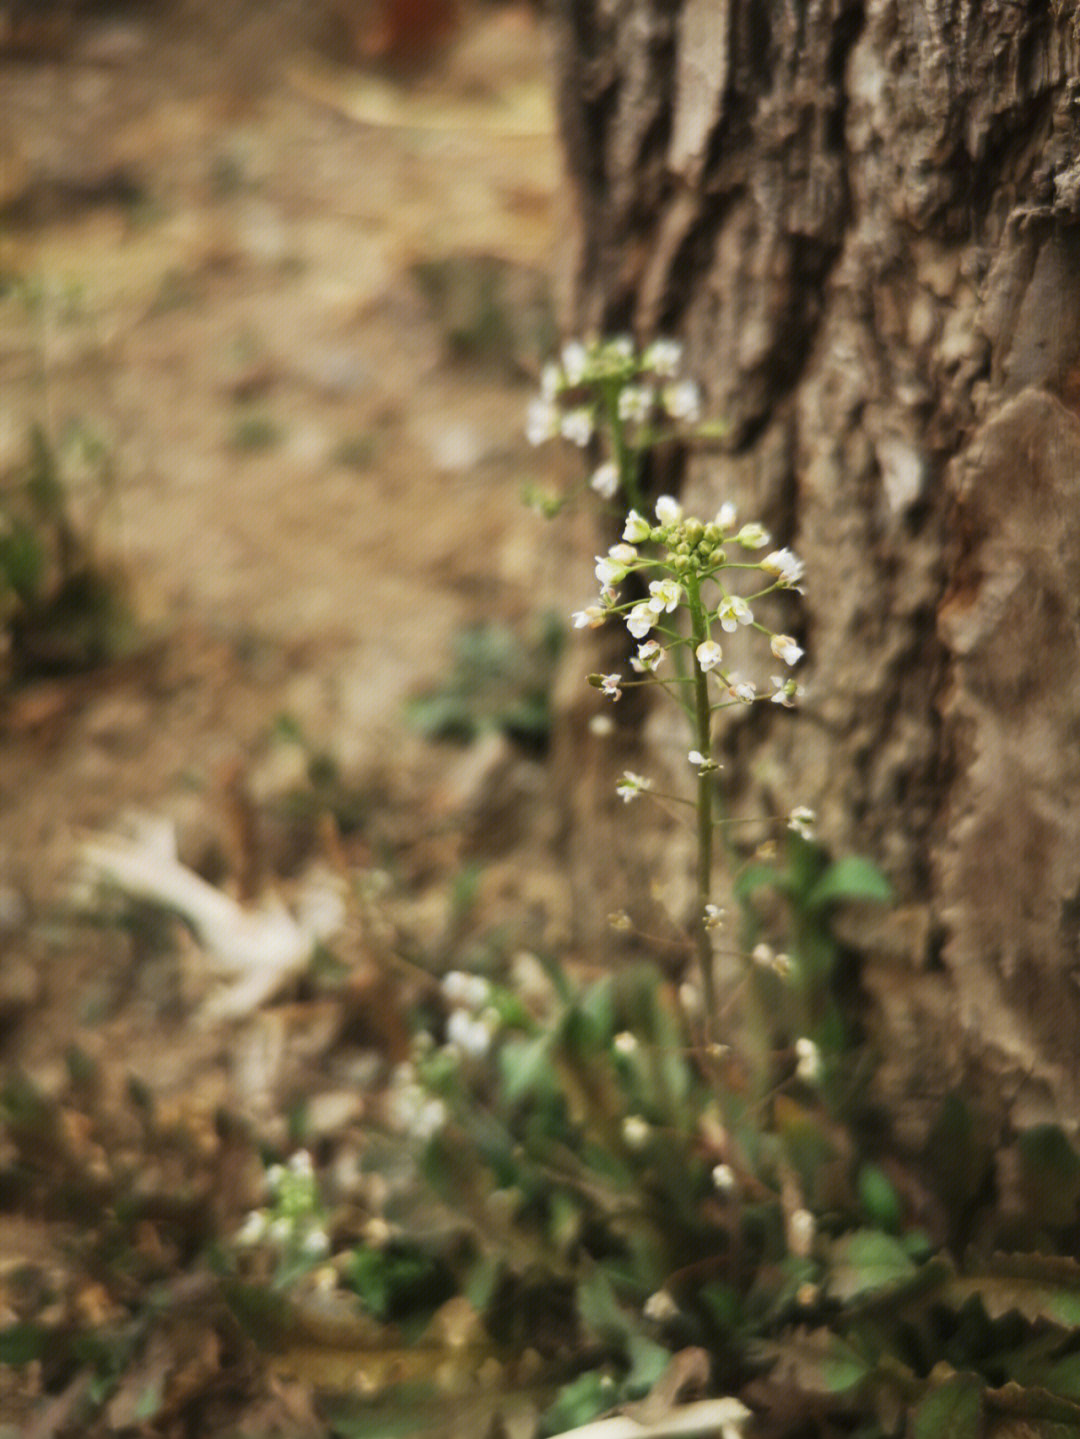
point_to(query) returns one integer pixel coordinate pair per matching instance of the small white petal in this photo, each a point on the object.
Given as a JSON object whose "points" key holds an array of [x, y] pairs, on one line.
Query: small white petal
{"points": [[668, 510]]}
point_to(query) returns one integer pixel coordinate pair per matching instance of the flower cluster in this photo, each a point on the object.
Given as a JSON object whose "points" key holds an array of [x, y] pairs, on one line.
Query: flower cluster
{"points": [[687, 566], [610, 384], [473, 1021], [292, 1221]]}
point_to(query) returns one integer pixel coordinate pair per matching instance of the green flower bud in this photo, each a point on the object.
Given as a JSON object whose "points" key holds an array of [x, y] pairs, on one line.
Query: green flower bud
{"points": [[694, 530]]}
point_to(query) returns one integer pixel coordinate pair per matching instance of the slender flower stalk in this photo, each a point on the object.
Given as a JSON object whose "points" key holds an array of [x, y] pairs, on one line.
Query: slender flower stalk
{"points": [[610, 392], [703, 735]]}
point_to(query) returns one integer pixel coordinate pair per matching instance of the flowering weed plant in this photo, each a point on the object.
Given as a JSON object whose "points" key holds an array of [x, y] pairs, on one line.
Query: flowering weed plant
{"points": [[678, 583]]}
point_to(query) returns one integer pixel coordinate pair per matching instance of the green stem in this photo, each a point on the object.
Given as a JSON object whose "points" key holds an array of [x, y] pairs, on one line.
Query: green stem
{"points": [[703, 729]]}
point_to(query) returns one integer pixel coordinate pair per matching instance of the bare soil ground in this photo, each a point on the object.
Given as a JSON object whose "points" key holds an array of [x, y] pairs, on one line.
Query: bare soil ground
{"points": [[298, 301]]}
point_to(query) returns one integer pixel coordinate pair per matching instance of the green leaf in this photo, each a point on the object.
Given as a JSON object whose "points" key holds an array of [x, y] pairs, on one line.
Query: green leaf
{"points": [[582, 1400], [526, 1066], [22, 562], [866, 1261], [22, 1343], [648, 1360], [1037, 1286], [879, 1199], [600, 1311], [816, 1362], [1033, 1413], [759, 876], [850, 878], [952, 1410], [1062, 1378]]}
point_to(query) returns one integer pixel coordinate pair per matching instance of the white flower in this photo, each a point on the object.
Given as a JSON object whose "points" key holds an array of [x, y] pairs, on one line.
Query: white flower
{"points": [[301, 1164], [640, 620], [743, 690], [274, 1175], [802, 820], [703, 762], [683, 401], [620, 347], [606, 481], [787, 691], [808, 1061], [668, 510], [625, 1043], [541, 421], [649, 656], [253, 1230], [763, 954], [725, 516], [453, 985], [631, 785], [468, 1033], [709, 655], [663, 358], [470, 990], [575, 361], [800, 1233], [636, 402], [637, 528], [785, 566], [733, 611], [591, 617], [280, 1230], [666, 595], [723, 1178], [577, 426], [601, 726], [636, 1131], [610, 571], [713, 917], [785, 648], [411, 1109], [609, 685], [753, 536], [623, 554], [315, 1244]]}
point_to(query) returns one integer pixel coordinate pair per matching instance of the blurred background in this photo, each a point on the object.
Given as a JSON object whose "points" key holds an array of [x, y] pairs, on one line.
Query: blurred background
{"points": [[274, 618]]}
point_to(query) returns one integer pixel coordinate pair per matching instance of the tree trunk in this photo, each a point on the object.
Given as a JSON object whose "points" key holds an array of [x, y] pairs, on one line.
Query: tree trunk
{"points": [[862, 218]]}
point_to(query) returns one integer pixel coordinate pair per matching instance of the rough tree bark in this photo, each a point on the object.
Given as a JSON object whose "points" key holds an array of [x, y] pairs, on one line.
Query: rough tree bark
{"points": [[863, 217]]}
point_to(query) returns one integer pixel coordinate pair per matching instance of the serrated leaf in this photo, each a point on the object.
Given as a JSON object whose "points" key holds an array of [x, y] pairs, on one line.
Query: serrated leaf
{"points": [[952, 1410], [1062, 1378], [850, 878], [1036, 1286], [1014, 1411], [867, 1261]]}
